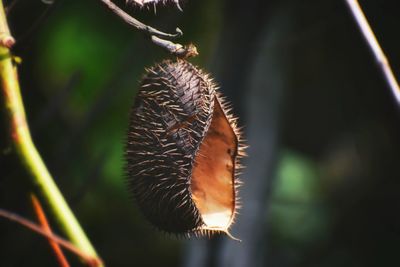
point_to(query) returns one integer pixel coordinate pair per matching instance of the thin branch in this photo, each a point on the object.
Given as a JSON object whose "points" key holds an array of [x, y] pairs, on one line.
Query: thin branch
{"points": [[139, 25], [176, 49], [27, 152], [373, 43], [156, 36], [62, 260], [89, 259]]}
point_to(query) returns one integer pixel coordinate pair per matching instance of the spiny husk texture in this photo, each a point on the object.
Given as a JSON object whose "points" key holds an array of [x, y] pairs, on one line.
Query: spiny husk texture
{"points": [[153, 3], [170, 117]]}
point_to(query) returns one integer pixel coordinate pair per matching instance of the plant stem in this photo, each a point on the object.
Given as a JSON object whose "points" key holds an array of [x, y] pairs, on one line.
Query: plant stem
{"points": [[41, 216], [376, 49], [137, 24], [13, 217], [157, 37], [27, 151]]}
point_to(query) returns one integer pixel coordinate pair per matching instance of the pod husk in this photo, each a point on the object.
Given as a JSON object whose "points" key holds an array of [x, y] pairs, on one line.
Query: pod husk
{"points": [[183, 151]]}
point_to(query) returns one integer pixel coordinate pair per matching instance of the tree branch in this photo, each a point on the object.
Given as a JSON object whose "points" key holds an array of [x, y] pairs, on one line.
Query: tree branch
{"points": [[137, 24], [41, 216], [376, 49], [89, 259], [27, 151], [156, 36]]}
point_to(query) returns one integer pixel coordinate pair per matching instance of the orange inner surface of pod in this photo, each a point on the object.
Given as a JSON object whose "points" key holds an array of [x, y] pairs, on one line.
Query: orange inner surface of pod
{"points": [[212, 183]]}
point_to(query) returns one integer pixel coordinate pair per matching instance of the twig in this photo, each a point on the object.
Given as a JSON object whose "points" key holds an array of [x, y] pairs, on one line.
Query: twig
{"points": [[157, 37], [176, 49], [28, 153], [137, 24], [369, 36], [62, 260], [89, 259]]}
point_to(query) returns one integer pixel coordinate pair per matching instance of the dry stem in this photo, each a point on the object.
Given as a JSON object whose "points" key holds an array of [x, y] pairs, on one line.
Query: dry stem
{"points": [[92, 261], [156, 36], [373, 43], [41, 216]]}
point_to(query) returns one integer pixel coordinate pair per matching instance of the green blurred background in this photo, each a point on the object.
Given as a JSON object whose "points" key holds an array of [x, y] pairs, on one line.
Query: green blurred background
{"points": [[322, 183]]}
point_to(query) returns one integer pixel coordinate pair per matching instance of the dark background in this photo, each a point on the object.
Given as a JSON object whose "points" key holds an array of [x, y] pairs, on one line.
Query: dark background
{"points": [[322, 183]]}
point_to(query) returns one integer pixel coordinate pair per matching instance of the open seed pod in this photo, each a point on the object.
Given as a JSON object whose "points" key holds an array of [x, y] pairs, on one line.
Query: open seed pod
{"points": [[182, 151]]}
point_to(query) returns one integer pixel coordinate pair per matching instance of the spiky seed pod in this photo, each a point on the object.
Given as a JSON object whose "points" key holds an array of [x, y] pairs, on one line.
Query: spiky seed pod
{"points": [[182, 151], [153, 3]]}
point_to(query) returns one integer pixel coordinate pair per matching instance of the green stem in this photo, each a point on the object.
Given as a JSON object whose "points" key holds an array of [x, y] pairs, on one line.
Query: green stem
{"points": [[28, 153]]}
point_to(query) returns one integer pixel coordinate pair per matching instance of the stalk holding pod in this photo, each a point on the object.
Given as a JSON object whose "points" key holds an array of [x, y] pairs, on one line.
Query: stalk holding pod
{"points": [[183, 150]]}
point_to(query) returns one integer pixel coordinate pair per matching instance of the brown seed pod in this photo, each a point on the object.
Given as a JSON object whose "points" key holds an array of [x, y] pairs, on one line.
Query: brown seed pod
{"points": [[182, 151]]}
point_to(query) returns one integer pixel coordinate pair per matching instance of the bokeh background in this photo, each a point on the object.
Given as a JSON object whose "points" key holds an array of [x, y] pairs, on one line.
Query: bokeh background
{"points": [[322, 183]]}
